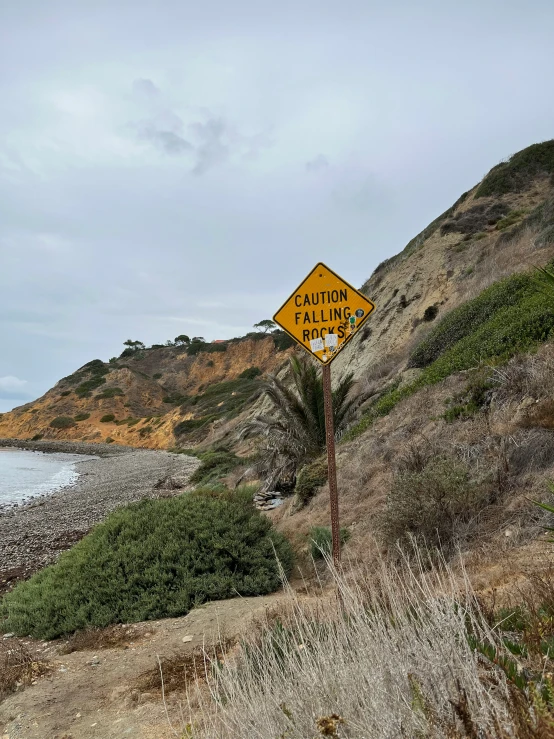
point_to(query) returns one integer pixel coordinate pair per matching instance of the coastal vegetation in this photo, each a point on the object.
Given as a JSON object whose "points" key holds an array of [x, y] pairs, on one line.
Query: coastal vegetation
{"points": [[149, 560]]}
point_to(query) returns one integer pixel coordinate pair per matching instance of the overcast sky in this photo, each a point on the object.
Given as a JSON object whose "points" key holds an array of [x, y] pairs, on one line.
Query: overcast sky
{"points": [[177, 167]]}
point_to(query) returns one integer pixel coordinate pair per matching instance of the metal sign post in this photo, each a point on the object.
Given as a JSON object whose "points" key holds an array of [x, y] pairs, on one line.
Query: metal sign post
{"points": [[331, 463], [322, 315]]}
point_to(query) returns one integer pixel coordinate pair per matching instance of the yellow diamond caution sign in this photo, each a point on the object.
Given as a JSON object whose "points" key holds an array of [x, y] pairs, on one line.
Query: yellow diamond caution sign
{"points": [[323, 313]]}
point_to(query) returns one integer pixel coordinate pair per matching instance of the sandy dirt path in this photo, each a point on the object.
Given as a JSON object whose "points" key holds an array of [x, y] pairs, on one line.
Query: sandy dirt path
{"points": [[93, 694]]}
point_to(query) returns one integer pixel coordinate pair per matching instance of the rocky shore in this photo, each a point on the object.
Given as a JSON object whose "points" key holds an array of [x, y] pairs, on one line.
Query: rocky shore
{"points": [[33, 535]]}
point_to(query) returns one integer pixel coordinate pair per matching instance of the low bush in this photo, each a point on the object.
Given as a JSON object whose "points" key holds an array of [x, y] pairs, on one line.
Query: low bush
{"points": [[310, 478], [191, 424], [215, 465], [84, 389], [37, 437], [110, 392], [250, 373], [62, 422], [430, 313], [474, 220], [519, 171], [82, 416], [321, 540], [65, 393], [107, 418], [511, 219], [153, 559], [157, 376], [465, 319], [175, 399], [282, 340], [429, 505]]}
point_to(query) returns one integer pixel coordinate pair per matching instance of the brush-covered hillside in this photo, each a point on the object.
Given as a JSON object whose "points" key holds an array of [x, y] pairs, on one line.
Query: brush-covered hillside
{"points": [[153, 397], [185, 395]]}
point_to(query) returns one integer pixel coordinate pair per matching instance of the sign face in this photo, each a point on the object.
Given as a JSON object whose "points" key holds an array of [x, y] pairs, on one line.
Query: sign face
{"points": [[323, 313]]}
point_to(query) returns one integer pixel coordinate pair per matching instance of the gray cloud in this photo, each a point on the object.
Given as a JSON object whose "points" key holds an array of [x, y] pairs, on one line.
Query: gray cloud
{"points": [[169, 141], [153, 170], [317, 164], [212, 148]]}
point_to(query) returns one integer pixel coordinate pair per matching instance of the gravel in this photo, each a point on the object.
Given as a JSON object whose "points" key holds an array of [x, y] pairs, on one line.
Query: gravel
{"points": [[33, 535]]}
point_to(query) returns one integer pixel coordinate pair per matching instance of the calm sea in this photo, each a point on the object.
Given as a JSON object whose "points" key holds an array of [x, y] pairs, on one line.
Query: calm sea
{"points": [[24, 473]]}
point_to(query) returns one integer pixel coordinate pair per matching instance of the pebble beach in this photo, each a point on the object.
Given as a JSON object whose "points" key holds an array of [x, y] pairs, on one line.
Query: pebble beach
{"points": [[32, 535]]}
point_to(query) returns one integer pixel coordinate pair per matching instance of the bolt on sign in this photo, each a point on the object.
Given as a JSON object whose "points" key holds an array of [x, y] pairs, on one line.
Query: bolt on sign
{"points": [[323, 313]]}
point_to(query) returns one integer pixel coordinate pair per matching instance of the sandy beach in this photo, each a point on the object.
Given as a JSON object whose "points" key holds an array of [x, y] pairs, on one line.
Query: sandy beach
{"points": [[33, 535]]}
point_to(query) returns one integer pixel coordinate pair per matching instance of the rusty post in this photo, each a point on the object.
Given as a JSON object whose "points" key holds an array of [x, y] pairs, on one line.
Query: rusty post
{"points": [[331, 463]]}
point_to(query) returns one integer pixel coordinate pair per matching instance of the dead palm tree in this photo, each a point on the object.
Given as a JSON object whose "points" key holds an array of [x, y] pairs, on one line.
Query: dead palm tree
{"points": [[295, 432]]}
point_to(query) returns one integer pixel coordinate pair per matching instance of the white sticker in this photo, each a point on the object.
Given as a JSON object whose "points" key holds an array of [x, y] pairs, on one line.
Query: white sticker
{"points": [[331, 340], [316, 345]]}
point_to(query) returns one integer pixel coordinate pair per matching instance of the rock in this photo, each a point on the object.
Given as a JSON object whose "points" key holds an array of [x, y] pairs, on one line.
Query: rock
{"points": [[8, 636], [187, 638], [94, 661]]}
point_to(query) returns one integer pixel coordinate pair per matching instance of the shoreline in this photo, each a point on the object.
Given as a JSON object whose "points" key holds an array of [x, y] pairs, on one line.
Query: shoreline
{"points": [[68, 447], [33, 534]]}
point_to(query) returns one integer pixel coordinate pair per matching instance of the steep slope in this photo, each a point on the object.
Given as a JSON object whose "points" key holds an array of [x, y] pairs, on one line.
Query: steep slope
{"points": [[503, 225]]}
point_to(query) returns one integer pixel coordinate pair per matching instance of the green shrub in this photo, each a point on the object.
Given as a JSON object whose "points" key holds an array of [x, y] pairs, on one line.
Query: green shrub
{"points": [[517, 173], [84, 389], [463, 320], [108, 440], [37, 437], [513, 329], [110, 392], [310, 478], [108, 418], [250, 373], [321, 540], [215, 465], [175, 399], [153, 559], [82, 416], [282, 340], [157, 376], [430, 504], [62, 422], [65, 393], [430, 313], [513, 217]]}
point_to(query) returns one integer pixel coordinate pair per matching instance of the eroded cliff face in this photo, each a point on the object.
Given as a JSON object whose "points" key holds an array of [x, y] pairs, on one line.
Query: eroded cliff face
{"points": [[144, 393]]}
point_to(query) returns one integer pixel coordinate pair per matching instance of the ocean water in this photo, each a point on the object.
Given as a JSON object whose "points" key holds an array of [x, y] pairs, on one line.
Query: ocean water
{"points": [[24, 474]]}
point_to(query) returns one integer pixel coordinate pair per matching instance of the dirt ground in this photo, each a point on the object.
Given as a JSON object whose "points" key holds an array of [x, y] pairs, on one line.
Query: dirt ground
{"points": [[94, 694]]}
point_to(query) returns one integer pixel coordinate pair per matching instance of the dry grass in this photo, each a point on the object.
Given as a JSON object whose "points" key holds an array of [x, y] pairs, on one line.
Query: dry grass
{"points": [[406, 657], [18, 667], [179, 671], [110, 637]]}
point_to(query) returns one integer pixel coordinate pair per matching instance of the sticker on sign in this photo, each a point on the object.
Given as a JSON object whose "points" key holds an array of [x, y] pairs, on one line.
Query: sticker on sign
{"points": [[321, 313]]}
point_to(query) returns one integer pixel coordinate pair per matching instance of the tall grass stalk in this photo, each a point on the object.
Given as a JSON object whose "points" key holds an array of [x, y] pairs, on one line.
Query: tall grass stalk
{"points": [[395, 662]]}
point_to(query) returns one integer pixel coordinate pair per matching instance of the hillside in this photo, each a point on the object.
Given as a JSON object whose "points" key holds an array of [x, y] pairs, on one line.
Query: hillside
{"points": [[169, 396], [164, 397], [145, 393]]}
